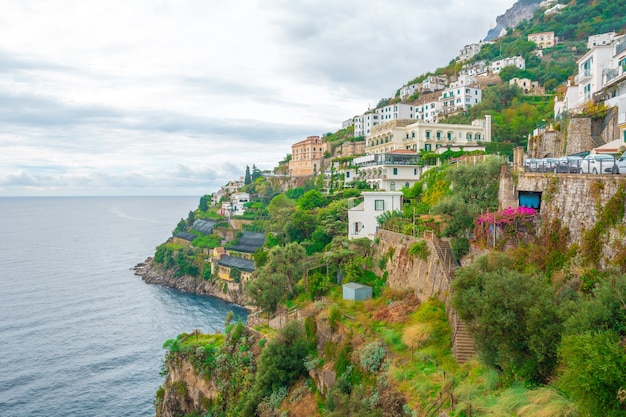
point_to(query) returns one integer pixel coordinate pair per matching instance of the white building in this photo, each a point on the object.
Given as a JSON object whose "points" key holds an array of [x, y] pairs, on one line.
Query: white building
{"points": [[420, 136], [463, 80], [362, 218], [408, 90], [600, 39], [590, 71], [517, 61], [469, 51], [434, 83], [238, 201], [363, 124], [475, 69], [460, 98], [396, 111], [428, 111], [389, 171]]}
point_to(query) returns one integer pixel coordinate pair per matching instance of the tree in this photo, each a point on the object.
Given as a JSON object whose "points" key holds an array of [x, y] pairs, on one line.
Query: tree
{"points": [[266, 290], [287, 261], [513, 317], [256, 173], [204, 203], [311, 199], [594, 371], [300, 227], [247, 179], [191, 217], [281, 362]]}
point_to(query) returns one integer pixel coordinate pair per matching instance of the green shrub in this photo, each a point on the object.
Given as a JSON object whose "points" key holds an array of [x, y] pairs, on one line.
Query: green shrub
{"points": [[460, 247], [334, 317], [372, 357], [420, 250]]}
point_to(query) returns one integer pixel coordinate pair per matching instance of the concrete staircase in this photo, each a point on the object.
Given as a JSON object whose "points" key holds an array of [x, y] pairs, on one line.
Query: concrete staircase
{"points": [[462, 341]]}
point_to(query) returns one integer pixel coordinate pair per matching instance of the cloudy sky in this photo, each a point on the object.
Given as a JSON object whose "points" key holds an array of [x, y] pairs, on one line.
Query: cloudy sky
{"points": [[176, 97]]}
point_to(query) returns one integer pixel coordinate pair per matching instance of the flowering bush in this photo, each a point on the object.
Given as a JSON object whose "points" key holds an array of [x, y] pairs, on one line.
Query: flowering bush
{"points": [[509, 225]]}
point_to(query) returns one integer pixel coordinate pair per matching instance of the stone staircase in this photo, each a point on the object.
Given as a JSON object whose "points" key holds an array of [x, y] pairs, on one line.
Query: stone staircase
{"points": [[462, 341]]}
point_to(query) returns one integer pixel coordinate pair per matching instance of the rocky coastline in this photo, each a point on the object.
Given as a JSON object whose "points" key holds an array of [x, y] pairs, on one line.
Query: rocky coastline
{"points": [[152, 273]]}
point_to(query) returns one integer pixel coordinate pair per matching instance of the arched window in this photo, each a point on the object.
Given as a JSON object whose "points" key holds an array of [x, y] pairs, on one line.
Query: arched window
{"points": [[428, 133], [477, 136], [439, 134], [468, 136]]}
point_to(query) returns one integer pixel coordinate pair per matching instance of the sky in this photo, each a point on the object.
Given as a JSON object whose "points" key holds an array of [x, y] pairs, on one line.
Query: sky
{"points": [[177, 97]]}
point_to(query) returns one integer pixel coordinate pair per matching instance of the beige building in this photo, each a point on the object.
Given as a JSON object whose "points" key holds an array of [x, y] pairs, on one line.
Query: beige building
{"points": [[543, 39], [307, 157], [527, 86], [420, 136]]}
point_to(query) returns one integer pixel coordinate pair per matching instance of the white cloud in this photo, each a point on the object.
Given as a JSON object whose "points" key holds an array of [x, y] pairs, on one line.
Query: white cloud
{"points": [[177, 97]]}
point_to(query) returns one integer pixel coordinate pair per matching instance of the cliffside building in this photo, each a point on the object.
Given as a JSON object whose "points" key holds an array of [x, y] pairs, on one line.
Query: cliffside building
{"points": [[362, 216], [421, 136], [543, 39], [307, 157]]}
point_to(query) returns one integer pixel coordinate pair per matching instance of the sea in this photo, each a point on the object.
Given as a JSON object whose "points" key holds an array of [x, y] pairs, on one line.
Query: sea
{"points": [[80, 334]]}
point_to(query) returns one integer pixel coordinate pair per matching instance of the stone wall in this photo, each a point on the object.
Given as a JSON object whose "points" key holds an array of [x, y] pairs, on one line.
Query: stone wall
{"points": [[574, 199], [425, 278]]}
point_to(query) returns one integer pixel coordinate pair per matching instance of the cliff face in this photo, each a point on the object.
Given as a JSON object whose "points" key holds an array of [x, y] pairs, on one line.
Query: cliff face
{"points": [[152, 273], [184, 391], [521, 10]]}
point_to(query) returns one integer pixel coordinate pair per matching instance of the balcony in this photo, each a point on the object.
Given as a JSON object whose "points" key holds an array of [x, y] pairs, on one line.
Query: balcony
{"points": [[620, 47], [582, 77]]}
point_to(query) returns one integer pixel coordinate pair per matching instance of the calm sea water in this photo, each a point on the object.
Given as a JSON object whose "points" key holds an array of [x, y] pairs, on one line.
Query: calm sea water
{"points": [[80, 334]]}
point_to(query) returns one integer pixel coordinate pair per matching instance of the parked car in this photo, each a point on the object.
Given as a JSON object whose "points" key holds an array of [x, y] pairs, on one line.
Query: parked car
{"points": [[530, 164], [621, 164], [568, 164], [598, 164]]}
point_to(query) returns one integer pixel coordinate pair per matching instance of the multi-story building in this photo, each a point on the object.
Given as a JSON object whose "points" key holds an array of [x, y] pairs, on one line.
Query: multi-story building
{"points": [[590, 71], [517, 61], [434, 83], [362, 217], [363, 124], [408, 90], [543, 39], [396, 111], [475, 69], [307, 157], [421, 136], [429, 110], [469, 51], [463, 80], [600, 39], [389, 171], [526, 85], [460, 98]]}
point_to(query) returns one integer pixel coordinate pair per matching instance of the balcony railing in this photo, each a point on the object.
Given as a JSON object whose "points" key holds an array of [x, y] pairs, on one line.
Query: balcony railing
{"points": [[580, 77], [620, 47]]}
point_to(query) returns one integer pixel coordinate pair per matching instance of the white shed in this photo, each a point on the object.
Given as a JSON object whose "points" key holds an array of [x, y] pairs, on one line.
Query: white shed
{"points": [[356, 292]]}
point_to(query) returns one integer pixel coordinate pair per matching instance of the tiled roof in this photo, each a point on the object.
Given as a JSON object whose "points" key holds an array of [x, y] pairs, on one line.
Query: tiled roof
{"points": [[185, 236], [204, 226], [248, 242], [234, 262]]}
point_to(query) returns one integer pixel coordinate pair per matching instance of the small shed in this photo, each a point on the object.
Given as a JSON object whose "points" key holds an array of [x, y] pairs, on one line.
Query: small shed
{"points": [[356, 292]]}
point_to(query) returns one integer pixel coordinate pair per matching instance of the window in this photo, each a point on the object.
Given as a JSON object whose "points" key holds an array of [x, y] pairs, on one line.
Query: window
{"points": [[415, 169], [438, 134], [468, 136], [392, 186], [427, 132], [406, 184], [477, 136], [449, 135], [379, 205], [427, 147], [395, 171], [348, 174]]}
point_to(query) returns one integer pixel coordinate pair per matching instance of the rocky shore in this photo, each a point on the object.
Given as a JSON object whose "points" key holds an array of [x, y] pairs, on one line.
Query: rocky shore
{"points": [[152, 273]]}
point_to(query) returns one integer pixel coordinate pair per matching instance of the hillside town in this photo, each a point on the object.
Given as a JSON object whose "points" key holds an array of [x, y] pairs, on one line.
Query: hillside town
{"points": [[411, 217]]}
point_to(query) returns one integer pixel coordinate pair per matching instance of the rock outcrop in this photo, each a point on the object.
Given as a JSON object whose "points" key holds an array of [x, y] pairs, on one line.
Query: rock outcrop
{"points": [[521, 10], [152, 273]]}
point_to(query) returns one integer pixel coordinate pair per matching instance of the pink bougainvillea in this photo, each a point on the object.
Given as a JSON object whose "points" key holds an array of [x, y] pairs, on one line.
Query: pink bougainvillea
{"points": [[508, 225]]}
